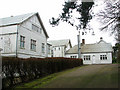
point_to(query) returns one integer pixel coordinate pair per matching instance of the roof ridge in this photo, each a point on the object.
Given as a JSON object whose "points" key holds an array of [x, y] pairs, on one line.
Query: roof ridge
{"points": [[18, 15]]}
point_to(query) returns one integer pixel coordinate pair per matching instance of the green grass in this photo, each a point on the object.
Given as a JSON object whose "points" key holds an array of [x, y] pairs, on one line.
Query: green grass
{"points": [[42, 81]]}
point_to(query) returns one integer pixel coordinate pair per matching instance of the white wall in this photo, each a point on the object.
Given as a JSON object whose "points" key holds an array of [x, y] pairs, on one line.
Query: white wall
{"points": [[25, 30], [69, 55], [8, 40], [68, 47], [57, 52], [94, 56]]}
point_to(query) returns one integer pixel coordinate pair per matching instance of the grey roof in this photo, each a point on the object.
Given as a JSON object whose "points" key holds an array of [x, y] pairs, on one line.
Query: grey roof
{"points": [[14, 20], [63, 42], [99, 47]]}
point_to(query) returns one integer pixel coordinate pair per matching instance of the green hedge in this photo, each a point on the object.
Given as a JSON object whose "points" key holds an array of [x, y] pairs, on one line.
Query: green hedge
{"points": [[17, 70]]}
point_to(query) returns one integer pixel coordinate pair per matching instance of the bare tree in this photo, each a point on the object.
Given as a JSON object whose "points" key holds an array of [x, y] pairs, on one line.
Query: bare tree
{"points": [[110, 17]]}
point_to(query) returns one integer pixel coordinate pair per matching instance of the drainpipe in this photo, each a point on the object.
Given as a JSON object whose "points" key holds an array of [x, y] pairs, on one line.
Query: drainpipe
{"points": [[17, 43], [79, 45]]}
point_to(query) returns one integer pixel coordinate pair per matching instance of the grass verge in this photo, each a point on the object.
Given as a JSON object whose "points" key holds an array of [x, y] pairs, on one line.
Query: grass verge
{"points": [[42, 81]]}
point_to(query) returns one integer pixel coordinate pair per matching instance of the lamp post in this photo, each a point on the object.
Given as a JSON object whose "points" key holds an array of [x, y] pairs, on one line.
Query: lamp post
{"points": [[79, 45]]}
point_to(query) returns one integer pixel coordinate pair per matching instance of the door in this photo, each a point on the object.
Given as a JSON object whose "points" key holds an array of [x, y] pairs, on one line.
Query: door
{"points": [[93, 59]]}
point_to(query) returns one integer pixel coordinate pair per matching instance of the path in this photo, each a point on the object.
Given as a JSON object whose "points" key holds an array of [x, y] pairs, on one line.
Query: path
{"points": [[91, 76]]}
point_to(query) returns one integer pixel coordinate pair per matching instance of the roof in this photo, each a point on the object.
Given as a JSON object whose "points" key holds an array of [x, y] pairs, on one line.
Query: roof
{"points": [[99, 47], [63, 42], [15, 20]]}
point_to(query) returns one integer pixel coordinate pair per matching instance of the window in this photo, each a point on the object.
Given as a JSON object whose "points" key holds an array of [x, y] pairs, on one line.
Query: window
{"points": [[22, 42], [59, 48], [43, 48], [73, 56], [48, 49], [103, 57], [33, 45], [51, 53], [87, 57], [34, 27]]}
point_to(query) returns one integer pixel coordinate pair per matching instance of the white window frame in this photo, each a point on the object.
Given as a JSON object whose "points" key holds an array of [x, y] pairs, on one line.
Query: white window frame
{"points": [[103, 57], [87, 57], [33, 45], [43, 47], [48, 49], [22, 42], [73, 56]]}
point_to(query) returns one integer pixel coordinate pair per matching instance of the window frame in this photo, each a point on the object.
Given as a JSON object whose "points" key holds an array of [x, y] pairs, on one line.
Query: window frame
{"points": [[48, 49], [22, 42], [33, 45], [43, 47], [87, 58], [103, 57]]}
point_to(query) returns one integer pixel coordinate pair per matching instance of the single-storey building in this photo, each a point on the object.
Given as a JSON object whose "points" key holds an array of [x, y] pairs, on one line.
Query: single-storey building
{"points": [[97, 53]]}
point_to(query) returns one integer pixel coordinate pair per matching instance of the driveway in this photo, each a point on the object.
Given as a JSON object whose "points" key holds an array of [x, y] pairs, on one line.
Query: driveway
{"points": [[90, 76]]}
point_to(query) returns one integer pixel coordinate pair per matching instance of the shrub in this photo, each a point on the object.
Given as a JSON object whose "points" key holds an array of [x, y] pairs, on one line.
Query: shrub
{"points": [[17, 70]]}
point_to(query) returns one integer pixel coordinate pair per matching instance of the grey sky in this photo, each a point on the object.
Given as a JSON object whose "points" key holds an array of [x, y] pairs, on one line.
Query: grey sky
{"points": [[48, 9]]}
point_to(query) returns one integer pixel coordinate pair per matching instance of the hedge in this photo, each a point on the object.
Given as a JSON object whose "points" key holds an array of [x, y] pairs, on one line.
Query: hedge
{"points": [[17, 70]]}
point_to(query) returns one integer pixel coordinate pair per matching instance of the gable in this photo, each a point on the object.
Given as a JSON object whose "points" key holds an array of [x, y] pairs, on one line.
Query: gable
{"points": [[63, 42], [20, 19]]}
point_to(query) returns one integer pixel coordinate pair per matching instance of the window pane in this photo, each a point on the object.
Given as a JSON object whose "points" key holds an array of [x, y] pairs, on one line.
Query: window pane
{"points": [[22, 41]]}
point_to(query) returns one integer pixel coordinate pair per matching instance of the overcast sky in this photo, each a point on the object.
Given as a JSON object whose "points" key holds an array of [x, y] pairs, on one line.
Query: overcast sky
{"points": [[48, 9]]}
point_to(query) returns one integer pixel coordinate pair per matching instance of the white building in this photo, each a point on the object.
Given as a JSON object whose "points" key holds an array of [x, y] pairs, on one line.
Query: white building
{"points": [[49, 53], [59, 47], [23, 36], [98, 53]]}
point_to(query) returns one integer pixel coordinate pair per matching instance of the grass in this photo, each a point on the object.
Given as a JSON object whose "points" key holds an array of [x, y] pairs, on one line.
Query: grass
{"points": [[42, 81]]}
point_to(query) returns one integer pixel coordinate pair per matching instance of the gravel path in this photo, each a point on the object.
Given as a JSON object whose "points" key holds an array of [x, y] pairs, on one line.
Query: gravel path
{"points": [[91, 76]]}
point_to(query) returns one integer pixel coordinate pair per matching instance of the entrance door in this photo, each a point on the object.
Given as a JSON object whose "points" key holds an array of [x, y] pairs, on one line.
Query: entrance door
{"points": [[93, 59]]}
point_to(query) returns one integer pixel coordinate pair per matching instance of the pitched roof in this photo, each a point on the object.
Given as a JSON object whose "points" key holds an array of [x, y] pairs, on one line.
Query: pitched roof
{"points": [[99, 47], [63, 42], [14, 20]]}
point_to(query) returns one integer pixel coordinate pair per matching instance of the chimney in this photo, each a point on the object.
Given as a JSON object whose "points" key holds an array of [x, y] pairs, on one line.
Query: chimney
{"points": [[101, 38], [83, 41]]}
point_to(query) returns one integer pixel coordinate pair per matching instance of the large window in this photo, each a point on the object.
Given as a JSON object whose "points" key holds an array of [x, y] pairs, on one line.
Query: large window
{"points": [[34, 27], [43, 48], [87, 57], [103, 57], [33, 45], [22, 42]]}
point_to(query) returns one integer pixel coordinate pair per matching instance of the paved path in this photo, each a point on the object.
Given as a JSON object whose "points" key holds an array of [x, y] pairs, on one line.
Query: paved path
{"points": [[91, 76]]}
